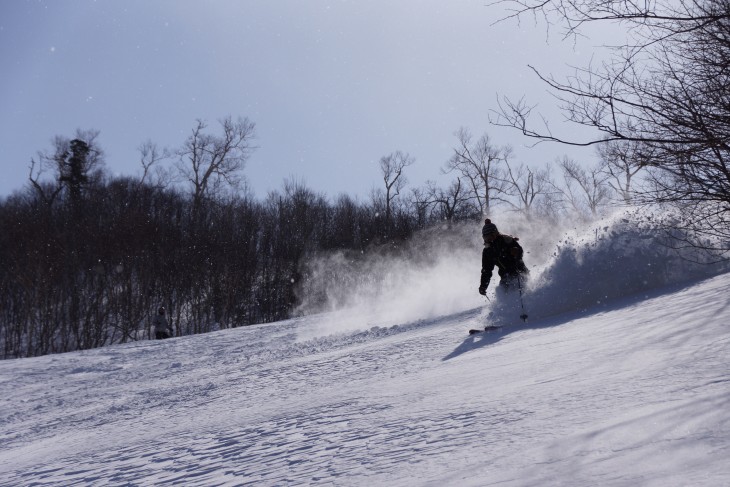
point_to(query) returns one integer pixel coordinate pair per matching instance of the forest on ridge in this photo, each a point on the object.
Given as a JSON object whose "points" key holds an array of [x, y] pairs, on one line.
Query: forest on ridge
{"points": [[87, 257]]}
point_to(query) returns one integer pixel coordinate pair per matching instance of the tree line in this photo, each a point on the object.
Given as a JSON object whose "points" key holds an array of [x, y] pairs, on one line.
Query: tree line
{"points": [[88, 258]]}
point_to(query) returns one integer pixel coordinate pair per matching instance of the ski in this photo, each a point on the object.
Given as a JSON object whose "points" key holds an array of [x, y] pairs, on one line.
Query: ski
{"points": [[486, 328]]}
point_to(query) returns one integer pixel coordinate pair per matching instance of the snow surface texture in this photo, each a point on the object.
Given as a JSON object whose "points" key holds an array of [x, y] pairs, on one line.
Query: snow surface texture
{"points": [[620, 377]]}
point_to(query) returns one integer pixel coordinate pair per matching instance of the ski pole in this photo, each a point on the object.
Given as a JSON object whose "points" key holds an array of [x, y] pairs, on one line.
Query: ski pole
{"points": [[522, 303]]}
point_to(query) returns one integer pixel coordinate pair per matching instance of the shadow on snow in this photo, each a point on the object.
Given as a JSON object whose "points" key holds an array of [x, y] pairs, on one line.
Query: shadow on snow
{"points": [[491, 337]]}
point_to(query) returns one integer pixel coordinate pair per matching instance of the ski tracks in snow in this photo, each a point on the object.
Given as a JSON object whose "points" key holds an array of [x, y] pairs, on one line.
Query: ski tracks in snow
{"points": [[213, 412], [630, 396]]}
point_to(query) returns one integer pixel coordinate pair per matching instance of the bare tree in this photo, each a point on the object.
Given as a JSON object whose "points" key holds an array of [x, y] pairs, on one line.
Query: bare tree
{"points": [[621, 161], [668, 88], [150, 157], [212, 163], [480, 164], [392, 166], [528, 187], [452, 202], [44, 189], [421, 202], [585, 190]]}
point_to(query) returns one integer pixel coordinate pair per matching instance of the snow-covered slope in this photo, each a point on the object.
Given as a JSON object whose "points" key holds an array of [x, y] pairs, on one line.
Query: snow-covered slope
{"points": [[633, 393]]}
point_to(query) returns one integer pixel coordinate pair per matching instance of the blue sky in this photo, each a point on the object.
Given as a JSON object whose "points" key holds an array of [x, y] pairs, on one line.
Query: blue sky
{"points": [[331, 85]]}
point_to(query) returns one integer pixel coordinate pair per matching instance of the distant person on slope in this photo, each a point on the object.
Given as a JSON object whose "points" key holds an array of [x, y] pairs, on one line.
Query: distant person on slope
{"points": [[505, 253], [162, 327]]}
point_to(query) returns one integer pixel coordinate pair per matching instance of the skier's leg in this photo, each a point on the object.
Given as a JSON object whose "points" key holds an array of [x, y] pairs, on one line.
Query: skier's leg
{"points": [[508, 283], [508, 304]]}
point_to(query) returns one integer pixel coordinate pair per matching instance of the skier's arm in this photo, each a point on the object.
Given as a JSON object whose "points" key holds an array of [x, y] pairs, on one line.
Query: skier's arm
{"points": [[487, 268]]}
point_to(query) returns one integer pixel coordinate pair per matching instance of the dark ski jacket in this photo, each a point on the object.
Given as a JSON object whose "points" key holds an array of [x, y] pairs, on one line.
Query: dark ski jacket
{"points": [[506, 254], [161, 325]]}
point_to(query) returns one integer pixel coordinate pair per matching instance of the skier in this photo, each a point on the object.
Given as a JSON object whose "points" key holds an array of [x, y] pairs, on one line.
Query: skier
{"points": [[504, 252], [162, 327]]}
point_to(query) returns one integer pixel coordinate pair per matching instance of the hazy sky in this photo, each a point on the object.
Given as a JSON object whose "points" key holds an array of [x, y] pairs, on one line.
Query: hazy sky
{"points": [[331, 85]]}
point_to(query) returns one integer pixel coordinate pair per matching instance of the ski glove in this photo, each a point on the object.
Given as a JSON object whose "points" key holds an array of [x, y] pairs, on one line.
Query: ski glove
{"points": [[483, 289]]}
